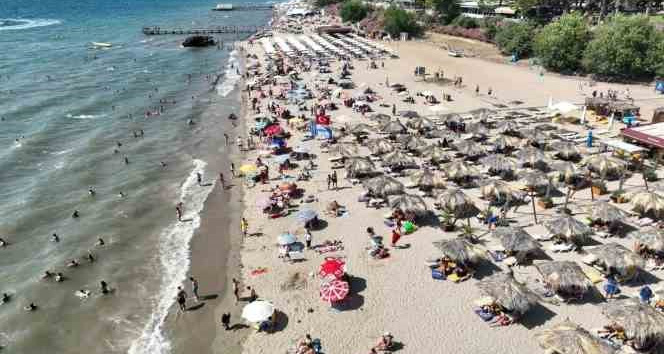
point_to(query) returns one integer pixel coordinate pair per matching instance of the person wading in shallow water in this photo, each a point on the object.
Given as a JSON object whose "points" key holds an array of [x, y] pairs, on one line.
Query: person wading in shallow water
{"points": [[182, 299]]}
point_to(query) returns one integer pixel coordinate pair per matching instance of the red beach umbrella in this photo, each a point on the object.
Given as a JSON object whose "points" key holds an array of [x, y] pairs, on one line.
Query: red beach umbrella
{"points": [[332, 267], [273, 129], [323, 120], [333, 291]]}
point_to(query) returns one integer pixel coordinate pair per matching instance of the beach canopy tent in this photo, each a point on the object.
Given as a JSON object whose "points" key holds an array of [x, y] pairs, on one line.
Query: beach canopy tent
{"points": [[258, 311], [650, 135], [569, 338], [642, 322]]}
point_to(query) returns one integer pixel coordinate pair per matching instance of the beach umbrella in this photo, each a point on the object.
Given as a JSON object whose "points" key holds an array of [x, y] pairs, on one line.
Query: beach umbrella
{"points": [[565, 169], [343, 149], [379, 146], [335, 132], [415, 144], [440, 134], [397, 159], [641, 322], [248, 169], [649, 203], [435, 154], [617, 258], [469, 148], [569, 338], [481, 113], [603, 165], [507, 127], [452, 117], [534, 179], [455, 201], [357, 166], [496, 189], [566, 150], [569, 229], [459, 250], [516, 240], [361, 128], [508, 293], [332, 268], [258, 311], [286, 239], [477, 129], [408, 114], [274, 129], [306, 215], [409, 203], [427, 179], [502, 142], [605, 212], [459, 169], [420, 123], [531, 156], [564, 276], [650, 237], [383, 186], [393, 127], [334, 290], [534, 136], [499, 163], [380, 117]]}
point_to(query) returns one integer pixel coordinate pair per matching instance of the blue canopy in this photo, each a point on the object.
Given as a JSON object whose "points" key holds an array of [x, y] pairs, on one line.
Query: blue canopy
{"points": [[305, 215]]}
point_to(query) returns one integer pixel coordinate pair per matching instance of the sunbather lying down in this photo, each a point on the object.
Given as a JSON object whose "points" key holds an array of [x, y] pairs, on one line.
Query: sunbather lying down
{"points": [[612, 331]]}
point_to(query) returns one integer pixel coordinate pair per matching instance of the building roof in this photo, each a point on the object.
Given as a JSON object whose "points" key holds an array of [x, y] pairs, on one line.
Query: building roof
{"points": [[651, 134], [621, 145]]}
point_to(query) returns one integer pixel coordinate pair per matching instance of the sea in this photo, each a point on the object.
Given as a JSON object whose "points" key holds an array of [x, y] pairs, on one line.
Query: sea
{"points": [[71, 120]]}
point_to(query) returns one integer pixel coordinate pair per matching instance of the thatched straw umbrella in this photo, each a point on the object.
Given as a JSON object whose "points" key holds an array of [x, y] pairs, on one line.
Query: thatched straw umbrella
{"points": [[605, 212], [477, 129], [494, 189], [569, 338], [343, 149], [535, 136], [440, 134], [481, 113], [532, 156], [603, 165], [498, 163], [507, 127], [435, 154], [649, 239], [534, 179], [358, 166], [379, 146], [569, 229], [381, 118], [458, 204], [564, 277], [648, 203], [409, 114], [427, 179], [569, 172], [459, 170], [415, 144], [517, 241], [409, 203], [451, 117], [566, 150], [618, 260], [420, 123], [469, 148], [502, 142], [460, 251], [642, 322], [383, 186], [508, 293], [397, 159], [393, 127]]}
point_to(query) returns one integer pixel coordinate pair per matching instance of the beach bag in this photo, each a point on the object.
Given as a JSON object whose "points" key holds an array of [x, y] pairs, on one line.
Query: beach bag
{"points": [[437, 274], [409, 227]]}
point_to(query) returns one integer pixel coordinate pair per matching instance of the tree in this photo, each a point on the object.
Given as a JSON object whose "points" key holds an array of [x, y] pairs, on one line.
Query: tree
{"points": [[398, 20], [353, 11], [656, 54], [515, 38], [448, 9], [524, 5], [323, 3], [624, 48], [560, 44]]}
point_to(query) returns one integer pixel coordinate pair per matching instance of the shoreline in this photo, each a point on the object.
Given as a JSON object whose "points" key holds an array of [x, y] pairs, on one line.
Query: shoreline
{"points": [[215, 259]]}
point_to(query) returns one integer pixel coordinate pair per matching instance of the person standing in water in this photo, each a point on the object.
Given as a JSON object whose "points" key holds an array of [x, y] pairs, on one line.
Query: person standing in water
{"points": [[55, 238], [199, 178], [104, 287], [178, 209], [221, 180]]}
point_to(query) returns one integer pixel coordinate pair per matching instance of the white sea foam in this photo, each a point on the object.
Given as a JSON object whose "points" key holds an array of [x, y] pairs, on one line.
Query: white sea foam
{"points": [[85, 116], [7, 24], [174, 257], [231, 77]]}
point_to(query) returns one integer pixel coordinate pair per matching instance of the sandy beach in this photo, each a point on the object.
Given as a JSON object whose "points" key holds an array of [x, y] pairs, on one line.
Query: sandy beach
{"points": [[395, 294]]}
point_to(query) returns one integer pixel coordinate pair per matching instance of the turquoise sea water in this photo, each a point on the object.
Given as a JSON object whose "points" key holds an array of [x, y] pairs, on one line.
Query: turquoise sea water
{"points": [[66, 108]]}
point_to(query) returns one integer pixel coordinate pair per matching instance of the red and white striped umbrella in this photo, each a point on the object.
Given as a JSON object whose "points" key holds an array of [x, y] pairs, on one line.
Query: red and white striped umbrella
{"points": [[333, 291]]}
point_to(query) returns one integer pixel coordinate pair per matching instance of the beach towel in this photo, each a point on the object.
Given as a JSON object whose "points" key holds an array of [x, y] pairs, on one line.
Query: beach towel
{"points": [[436, 274], [593, 274], [485, 316]]}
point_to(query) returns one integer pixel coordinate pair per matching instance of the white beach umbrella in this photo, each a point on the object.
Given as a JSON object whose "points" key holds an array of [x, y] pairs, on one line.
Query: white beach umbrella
{"points": [[258, 311]]}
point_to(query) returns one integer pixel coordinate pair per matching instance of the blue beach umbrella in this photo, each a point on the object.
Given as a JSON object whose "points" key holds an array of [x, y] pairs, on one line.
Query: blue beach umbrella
{"points": [[305, 215], [286, 239]]}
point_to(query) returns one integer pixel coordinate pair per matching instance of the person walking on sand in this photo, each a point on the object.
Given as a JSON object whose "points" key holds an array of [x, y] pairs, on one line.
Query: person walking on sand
{"points": [[396, 235], [226, 138], [477, 90], [194, 288], [221, 180], [182, 299], [244, 226], [329, 181], [178, 209], [226, 320], [233, 169], [252, 294], [236, 290], [199, 178], [307, 238], [335, 180]]}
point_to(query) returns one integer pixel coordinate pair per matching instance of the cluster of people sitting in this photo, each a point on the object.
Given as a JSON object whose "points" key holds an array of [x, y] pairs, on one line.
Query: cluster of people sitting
{"points": [[308, 346], [279, 203], [648, 253], [494, 314], [429, 99], [445, 268], [385, 344]]}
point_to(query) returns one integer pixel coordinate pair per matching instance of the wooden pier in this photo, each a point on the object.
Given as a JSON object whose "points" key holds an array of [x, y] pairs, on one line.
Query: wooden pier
{"points": [[155, 30]]}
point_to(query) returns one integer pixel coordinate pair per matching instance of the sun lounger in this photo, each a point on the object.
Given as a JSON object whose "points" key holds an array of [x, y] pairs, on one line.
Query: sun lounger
{"points": [[563, 247], [296, 256], [546, 237], [644, 222]]}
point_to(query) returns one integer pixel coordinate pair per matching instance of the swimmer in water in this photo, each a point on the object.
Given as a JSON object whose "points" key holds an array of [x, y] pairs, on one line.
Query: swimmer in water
{"points": [[91, 191], [121, 195], [59, 277], [75, 214], [73, 263], [163, 164], [30, 307], [55, 238], [90, 257], [100, 242], [47, 275], [5, 298], [104, 287], [3, 243], [126, 160], [83, 294]]}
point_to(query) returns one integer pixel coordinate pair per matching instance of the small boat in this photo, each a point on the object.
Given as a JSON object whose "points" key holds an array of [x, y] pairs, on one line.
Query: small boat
{"points": [[455, 53], [101, 44], [223, 7]]}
